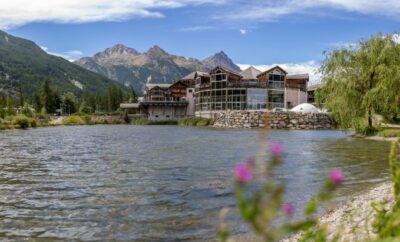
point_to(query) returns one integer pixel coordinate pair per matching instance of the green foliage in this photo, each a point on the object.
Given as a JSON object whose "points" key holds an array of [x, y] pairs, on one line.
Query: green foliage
{"points": [[195, 121], [27, 66], [74, 120], [126, 117], [69, 103], [27, 110], [389, 133], [85, 108], [33, 123], [22, 121], [361, 81], [387, 220]]}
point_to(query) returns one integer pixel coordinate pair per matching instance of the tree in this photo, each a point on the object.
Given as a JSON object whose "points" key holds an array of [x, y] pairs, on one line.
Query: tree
{"points": [[48, 98], [115, 98], [133, 98], [360, 81], [69, 103], [37, 102], [85, 108]]}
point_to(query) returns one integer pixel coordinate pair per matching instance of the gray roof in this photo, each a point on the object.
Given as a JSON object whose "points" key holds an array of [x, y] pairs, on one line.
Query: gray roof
{"points": [[192, 75], [153, 85], [250, 73], [298, 76]]}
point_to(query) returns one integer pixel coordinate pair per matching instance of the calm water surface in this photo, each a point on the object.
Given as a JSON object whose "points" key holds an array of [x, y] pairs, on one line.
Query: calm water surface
{"points": [[155, 183]]}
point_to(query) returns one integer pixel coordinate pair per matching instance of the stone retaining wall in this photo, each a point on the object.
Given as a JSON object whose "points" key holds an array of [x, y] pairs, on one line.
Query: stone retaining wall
{"points": [[278, 120]]}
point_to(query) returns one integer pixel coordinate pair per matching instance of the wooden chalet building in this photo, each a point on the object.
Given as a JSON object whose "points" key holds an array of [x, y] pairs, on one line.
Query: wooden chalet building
{"points": [[203, 94]]}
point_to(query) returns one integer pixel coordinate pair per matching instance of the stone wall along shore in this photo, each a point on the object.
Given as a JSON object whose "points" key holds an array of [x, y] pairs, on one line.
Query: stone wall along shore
{"points": [[277, 120]]}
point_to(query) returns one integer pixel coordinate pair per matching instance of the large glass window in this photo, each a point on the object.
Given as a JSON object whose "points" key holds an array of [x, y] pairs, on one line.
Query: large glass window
{"points": [[256, 99]]}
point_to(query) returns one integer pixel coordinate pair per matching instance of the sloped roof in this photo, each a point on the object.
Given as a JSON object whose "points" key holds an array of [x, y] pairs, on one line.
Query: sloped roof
{"points": [[298, 77], [194, 74], [225, 70], [271, 69], [250, 73], [161, 85]]}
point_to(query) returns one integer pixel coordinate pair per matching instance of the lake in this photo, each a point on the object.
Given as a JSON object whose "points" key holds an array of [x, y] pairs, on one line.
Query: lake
{"points": [[156, 183]]}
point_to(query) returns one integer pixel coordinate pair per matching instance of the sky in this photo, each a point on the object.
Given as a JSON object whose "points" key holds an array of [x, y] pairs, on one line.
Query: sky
{"points": [[292, 33]]}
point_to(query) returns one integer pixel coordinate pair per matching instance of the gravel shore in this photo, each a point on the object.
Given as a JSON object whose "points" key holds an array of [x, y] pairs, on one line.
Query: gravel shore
{"points": [[352, 220]]}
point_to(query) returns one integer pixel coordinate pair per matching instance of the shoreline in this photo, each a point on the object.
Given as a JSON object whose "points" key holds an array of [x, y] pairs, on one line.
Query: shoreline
{"points": [[351, 219]]}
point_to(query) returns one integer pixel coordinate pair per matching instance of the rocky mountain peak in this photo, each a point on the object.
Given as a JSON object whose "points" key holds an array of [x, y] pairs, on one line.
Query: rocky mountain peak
{"points": [[156, 52], [220, 59], [118, 49]]}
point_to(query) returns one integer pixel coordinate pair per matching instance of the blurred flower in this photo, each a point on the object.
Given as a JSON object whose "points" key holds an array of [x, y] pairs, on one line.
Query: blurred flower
{"points": [[288, 209], [251, 162], [243, 173], [276, 149], [336, 176]]}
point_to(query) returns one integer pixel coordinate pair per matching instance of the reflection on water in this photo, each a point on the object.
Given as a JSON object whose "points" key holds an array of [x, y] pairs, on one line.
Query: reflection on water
{"points": [[155, 183]]}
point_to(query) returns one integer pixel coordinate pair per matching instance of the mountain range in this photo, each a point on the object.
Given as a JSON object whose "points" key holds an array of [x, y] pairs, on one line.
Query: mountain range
{"points": [[24, 66], [130, 67]]}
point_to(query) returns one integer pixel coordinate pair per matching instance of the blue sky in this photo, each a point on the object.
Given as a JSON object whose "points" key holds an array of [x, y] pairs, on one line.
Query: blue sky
{"points": [[292, 32]]}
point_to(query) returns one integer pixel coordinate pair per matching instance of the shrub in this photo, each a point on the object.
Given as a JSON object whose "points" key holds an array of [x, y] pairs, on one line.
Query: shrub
{"points": [[33, 123], [73, 120], [386, 223], [195, 121], [27, 110], [140, 121], [389, 133], [21, 120], [84, 108], [87, 119]]}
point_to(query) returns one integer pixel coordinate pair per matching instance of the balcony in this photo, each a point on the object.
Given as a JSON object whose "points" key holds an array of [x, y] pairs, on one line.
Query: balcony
{"points": [[276, 85]]}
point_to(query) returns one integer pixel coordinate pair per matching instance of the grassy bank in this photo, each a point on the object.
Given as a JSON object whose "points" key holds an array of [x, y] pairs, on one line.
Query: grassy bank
{"points": [[195, 121], [24, 122]]}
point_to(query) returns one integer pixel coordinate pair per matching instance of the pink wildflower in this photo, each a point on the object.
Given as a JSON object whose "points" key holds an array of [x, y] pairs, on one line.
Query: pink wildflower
{"points": [[243, 173], [276, 149], [336, 176], [288, 209]]}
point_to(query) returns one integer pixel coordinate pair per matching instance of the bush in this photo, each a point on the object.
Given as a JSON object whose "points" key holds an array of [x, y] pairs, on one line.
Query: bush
{"points": [[22, 121], [87, 119], [195, 121], [27, 110], [389, 133], [84, 108], [33, 123], [73, 120]]}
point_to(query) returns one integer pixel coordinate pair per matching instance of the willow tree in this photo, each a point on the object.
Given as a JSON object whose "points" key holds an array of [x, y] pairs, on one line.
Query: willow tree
{"points": [[360, 81]]}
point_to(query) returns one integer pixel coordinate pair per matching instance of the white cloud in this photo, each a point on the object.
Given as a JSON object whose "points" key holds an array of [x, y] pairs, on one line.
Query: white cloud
{"points": [[310, 67], [258, 10], [197, 28], [19, 12], [70, 55], [243, 31]]}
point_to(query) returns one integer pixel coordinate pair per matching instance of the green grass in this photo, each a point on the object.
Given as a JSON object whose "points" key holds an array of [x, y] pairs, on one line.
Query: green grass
{"points": [[195, 121], [387, 133], [74, 120]]}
